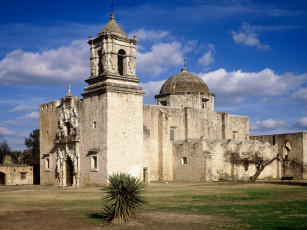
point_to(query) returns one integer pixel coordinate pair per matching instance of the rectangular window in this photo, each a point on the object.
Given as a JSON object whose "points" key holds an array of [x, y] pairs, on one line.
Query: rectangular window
{"points": [[163, 103], [94, 163], [172, 134], [203, 102], [23, 175], [184, 161], [235, 135], [47, 164], [94, 125]]}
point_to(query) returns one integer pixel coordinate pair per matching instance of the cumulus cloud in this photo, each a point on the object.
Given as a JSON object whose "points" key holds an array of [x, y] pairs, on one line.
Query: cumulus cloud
{"points": [[301, 124], [234, 86], [300, 95], [269, 124], [54, 66], [33, 115], [143, 34], [6, 132], [23, 108], [152, 88], [248, 37], [208, 57], [161, 57]]}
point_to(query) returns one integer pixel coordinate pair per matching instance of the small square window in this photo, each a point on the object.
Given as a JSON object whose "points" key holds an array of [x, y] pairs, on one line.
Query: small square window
{"points": [[184, 161], [23, 175], [94, 163]]}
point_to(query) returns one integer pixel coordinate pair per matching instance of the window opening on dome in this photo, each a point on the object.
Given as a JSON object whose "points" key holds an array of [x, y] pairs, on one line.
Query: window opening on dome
{"points": [[163, 103], [121, 59], [203, 102]]}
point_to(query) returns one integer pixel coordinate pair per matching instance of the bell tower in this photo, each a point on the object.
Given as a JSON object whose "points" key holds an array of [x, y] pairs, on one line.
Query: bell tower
{"points": [[112, 61], [113, 105]]}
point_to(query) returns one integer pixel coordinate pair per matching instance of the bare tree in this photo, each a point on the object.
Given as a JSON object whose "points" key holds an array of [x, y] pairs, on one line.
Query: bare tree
{"points": [[257, 159]]}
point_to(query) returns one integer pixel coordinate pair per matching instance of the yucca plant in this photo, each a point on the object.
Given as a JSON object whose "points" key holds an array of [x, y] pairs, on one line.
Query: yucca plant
{"points": [[123, 197]]}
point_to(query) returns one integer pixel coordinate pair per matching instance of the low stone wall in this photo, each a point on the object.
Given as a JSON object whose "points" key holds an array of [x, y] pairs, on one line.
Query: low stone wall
{"points": [[206, 160], [17, 174]]}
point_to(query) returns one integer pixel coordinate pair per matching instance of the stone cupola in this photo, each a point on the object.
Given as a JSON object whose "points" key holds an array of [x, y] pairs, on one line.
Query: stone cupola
{"points": [[185, 89]]}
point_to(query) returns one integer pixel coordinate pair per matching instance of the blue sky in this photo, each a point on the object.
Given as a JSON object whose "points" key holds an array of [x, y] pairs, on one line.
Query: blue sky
{"points": [[252, 54]]}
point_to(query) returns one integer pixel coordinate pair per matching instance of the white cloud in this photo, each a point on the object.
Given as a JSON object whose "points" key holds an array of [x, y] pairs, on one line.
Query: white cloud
{"points": [[301, 124], [152, 88], [300, 95], [208, 57], [269, 124], [23, 108], [143, 34], [160, 58], [231, 86], [54, 66], [247, 36], [6, 132], [33, 115]]}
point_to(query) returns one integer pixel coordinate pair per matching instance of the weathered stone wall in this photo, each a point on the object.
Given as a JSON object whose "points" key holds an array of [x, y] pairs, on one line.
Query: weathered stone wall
{"points": [[125, 133], [194, 168], [297, 152], [207, 160], [185, 123], [13, 174], [194, 100], [48, 130], [93, 140]]}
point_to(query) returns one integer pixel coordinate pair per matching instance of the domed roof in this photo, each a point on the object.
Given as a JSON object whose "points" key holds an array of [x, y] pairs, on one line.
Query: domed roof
{"points": [[112, 28], [184, 82]]}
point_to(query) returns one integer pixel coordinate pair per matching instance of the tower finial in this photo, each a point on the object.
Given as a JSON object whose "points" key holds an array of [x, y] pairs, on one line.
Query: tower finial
{"points": [[69, 94], [112, 12], [184, 69]]}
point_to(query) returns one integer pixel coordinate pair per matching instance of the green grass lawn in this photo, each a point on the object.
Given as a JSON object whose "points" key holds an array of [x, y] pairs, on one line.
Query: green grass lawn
{"points": [[190, 206]]}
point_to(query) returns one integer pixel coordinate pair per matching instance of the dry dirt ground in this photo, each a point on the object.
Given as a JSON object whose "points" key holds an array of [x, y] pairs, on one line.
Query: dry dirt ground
{"points": [[28, 211], [48, 207]]}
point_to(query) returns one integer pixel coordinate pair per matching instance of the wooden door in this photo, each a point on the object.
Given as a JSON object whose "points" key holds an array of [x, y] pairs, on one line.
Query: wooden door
{"points": [[2, 178], [69, 172]]}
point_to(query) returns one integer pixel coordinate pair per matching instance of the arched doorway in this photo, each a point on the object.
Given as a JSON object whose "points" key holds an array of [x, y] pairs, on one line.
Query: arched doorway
{"points": [[2, 178], [69, 172]]}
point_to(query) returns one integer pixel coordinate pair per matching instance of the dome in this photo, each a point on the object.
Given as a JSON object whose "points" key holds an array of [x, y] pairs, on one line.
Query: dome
{"points": [[184, 82], [113, 28]]}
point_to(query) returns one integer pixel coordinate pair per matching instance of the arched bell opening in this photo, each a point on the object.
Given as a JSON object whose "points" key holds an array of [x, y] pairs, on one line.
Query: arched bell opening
{"points": [[122, 59]]}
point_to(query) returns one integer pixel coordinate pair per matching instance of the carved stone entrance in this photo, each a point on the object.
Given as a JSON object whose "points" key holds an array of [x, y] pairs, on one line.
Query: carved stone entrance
{"points": [[69, 172], [67, 141], [2, 178]]}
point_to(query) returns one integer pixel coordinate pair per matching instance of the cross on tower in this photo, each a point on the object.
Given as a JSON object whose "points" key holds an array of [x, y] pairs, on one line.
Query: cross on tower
{"points": [[184, 62], [112, 8], [69, 87]]}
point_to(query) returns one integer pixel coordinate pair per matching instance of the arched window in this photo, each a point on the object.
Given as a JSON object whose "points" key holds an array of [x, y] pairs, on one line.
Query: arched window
{"points": [[287, 149], [121, 59]]}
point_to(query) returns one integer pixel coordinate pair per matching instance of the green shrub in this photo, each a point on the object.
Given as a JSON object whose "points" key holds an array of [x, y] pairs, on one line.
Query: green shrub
{"points": [[123, 197]]}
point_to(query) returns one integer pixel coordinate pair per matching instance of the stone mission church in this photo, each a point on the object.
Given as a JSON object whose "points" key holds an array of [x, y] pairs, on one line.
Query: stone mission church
{"points": [[109, 129]]}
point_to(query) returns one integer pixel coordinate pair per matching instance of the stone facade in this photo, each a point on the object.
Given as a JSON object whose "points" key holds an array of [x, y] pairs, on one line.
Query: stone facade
{"points": [[15, 174], [108, 129], [291, 146]]}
